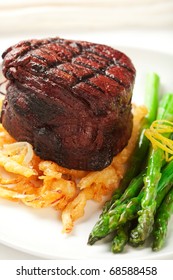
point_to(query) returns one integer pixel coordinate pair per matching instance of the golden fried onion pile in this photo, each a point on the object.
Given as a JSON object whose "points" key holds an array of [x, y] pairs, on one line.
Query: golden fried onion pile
{"points": [[26, 178]]}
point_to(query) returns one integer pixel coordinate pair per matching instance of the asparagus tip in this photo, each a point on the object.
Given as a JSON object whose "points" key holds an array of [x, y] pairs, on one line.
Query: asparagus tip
{"points": [[92, 239], [135, 239]]}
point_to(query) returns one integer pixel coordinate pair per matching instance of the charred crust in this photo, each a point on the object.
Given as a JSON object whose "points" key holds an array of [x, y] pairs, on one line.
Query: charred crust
{"points": [[70, 99]]}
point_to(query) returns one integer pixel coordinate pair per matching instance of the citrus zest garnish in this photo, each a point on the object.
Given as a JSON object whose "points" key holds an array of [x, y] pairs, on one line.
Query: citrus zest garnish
{"points": [[158, 134]]}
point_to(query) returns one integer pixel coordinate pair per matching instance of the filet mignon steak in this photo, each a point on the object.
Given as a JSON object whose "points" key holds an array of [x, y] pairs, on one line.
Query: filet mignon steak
{"points": [[70, 99]]}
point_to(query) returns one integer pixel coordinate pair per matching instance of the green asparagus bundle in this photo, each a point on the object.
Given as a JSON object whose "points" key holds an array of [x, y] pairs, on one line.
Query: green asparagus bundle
{"points": [[125, 212], [138, 199], [128, 211], [151, 180], [161, 220]]}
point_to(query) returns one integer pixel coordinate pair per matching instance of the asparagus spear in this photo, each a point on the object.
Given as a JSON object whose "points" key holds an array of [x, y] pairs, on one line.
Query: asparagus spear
{"points": [[161, 222], [114, 218], [131, 191], [141, 148], [165, 182], [155, 161], [152, 95], [128, 211], [121, 238], [160, 229], [164, 186]]}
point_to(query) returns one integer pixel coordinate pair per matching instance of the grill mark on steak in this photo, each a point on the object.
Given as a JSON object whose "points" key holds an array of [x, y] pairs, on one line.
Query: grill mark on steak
{"points": [[99, 71], [57, 62], [93, 85], [71, 100], [42, 43], [43, 83], [30, 45], [112, 61], [81, 79]]}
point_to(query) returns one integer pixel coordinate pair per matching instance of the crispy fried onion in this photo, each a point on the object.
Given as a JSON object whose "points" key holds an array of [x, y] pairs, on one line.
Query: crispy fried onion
{"points": [[37, 183]]}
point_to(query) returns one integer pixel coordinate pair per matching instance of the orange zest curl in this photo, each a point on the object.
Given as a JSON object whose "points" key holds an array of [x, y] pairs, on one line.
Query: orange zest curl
{"points": [[158, 136]]}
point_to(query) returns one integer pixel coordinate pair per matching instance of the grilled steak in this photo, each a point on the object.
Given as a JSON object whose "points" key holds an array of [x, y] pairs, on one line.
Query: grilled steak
{"points": [[70, 99]]}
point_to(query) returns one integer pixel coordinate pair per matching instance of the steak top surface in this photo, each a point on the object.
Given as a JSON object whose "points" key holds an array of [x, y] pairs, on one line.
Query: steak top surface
{"points": [[70, 99]]}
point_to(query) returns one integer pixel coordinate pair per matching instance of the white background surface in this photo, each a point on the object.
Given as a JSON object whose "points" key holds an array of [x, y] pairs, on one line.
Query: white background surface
{"points": [[143, 24]]}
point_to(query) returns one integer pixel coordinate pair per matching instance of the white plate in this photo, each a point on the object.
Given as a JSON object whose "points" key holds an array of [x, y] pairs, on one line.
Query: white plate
{"points": [[39, 231]]}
